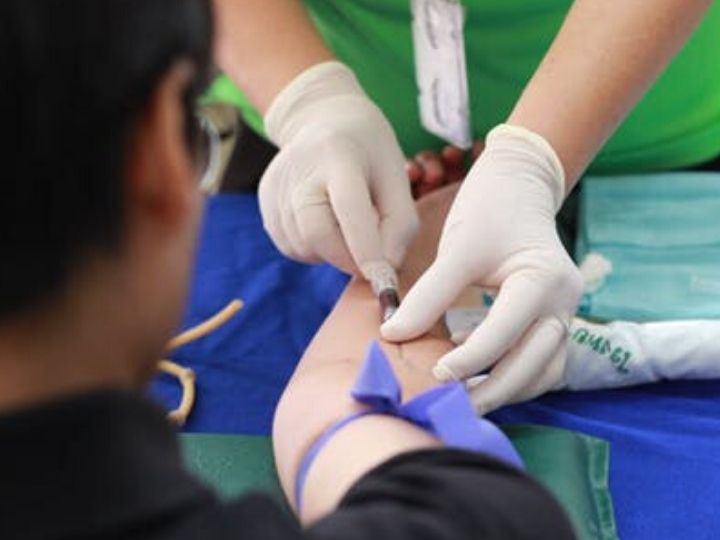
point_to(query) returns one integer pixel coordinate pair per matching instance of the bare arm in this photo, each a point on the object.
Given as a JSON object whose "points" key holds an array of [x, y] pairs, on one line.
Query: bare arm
{"points": [[318, 394], [263, 44], [605, 57]]}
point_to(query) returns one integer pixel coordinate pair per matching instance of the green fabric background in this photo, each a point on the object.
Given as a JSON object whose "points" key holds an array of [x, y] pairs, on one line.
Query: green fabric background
{"points": [[572, 466], [677, 124]]}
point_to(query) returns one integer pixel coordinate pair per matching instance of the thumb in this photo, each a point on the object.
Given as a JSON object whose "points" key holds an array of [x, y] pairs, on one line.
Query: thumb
{"points": [[426, 302]]}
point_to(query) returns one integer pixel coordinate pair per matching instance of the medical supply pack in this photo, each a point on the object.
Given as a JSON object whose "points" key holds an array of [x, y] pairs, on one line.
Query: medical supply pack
{"points": [[661, 237]]}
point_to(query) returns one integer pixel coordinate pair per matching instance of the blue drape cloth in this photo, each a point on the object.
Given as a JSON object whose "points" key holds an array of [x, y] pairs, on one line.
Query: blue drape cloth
{"points": [[665, 438]]}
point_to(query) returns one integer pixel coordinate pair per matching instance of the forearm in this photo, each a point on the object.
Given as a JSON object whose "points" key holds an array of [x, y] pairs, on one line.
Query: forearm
{"points": [[419, 494], [263, 44], [319, 395], [370, 478], [319, 392], [605, 57]]}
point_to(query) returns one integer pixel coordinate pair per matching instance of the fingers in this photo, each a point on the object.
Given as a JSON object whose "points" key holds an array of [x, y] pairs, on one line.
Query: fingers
{"points": [[352, 206], [433, 170], [430, 170], [453, 156], [454, 163], [414, 171], [426, 302], [540, 355], [517, 305], [341, 225], [399, 221], [331, 217], [321, 234], [301, 220], [269, 198]]}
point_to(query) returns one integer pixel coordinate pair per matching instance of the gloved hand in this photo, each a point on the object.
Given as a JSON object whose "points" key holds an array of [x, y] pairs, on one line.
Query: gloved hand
{"points": [[618, 353], [500, 234], [337, 191]]}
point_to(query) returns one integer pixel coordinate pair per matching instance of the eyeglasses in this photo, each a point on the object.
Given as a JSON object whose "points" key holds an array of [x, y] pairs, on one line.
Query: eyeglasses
{"points": [[218, 127], [208, 154]]}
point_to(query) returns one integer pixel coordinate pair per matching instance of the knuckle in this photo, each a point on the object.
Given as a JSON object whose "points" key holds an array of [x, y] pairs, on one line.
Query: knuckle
{"points": [[310, 194], [317, 135], [347, 202], [564, 276], [557, 325]]}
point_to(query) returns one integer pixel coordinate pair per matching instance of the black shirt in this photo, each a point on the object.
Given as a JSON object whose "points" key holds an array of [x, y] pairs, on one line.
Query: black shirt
{"points": [[108, 466]]}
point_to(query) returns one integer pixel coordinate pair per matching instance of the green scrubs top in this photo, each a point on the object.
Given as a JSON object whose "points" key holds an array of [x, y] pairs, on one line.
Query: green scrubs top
{"points": [[677, 123]]}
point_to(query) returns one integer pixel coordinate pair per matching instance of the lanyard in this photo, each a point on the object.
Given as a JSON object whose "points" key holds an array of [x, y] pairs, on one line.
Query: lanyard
{"points": [[441, 69]]}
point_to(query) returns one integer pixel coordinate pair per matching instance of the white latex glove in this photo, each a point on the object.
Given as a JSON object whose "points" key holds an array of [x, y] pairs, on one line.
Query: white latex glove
{"points": [[337, 191], [500, 234]]}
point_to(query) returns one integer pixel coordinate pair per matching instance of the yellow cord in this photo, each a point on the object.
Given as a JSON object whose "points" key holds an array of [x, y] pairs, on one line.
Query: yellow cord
{"points": [[186, 376]]}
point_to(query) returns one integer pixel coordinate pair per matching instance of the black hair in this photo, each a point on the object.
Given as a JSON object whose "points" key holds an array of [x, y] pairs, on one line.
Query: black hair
{"points": [[75, 75]]}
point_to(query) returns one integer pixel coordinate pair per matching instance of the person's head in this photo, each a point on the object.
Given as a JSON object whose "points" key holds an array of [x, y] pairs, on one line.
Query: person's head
{"points": [[99, 203]]}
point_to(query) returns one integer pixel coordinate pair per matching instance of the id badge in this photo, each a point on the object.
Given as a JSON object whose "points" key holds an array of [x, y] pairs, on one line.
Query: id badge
{"points": [[441, 70]]}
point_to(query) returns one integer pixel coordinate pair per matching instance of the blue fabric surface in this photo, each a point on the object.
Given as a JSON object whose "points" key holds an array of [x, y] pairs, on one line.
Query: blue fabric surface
{"points": [[664, 452], [665, 438], [242, 368], [661, 234]]}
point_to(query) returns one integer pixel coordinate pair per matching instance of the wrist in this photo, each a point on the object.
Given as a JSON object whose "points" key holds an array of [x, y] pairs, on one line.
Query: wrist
{"points": [[534, 152], [319, 82]]}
